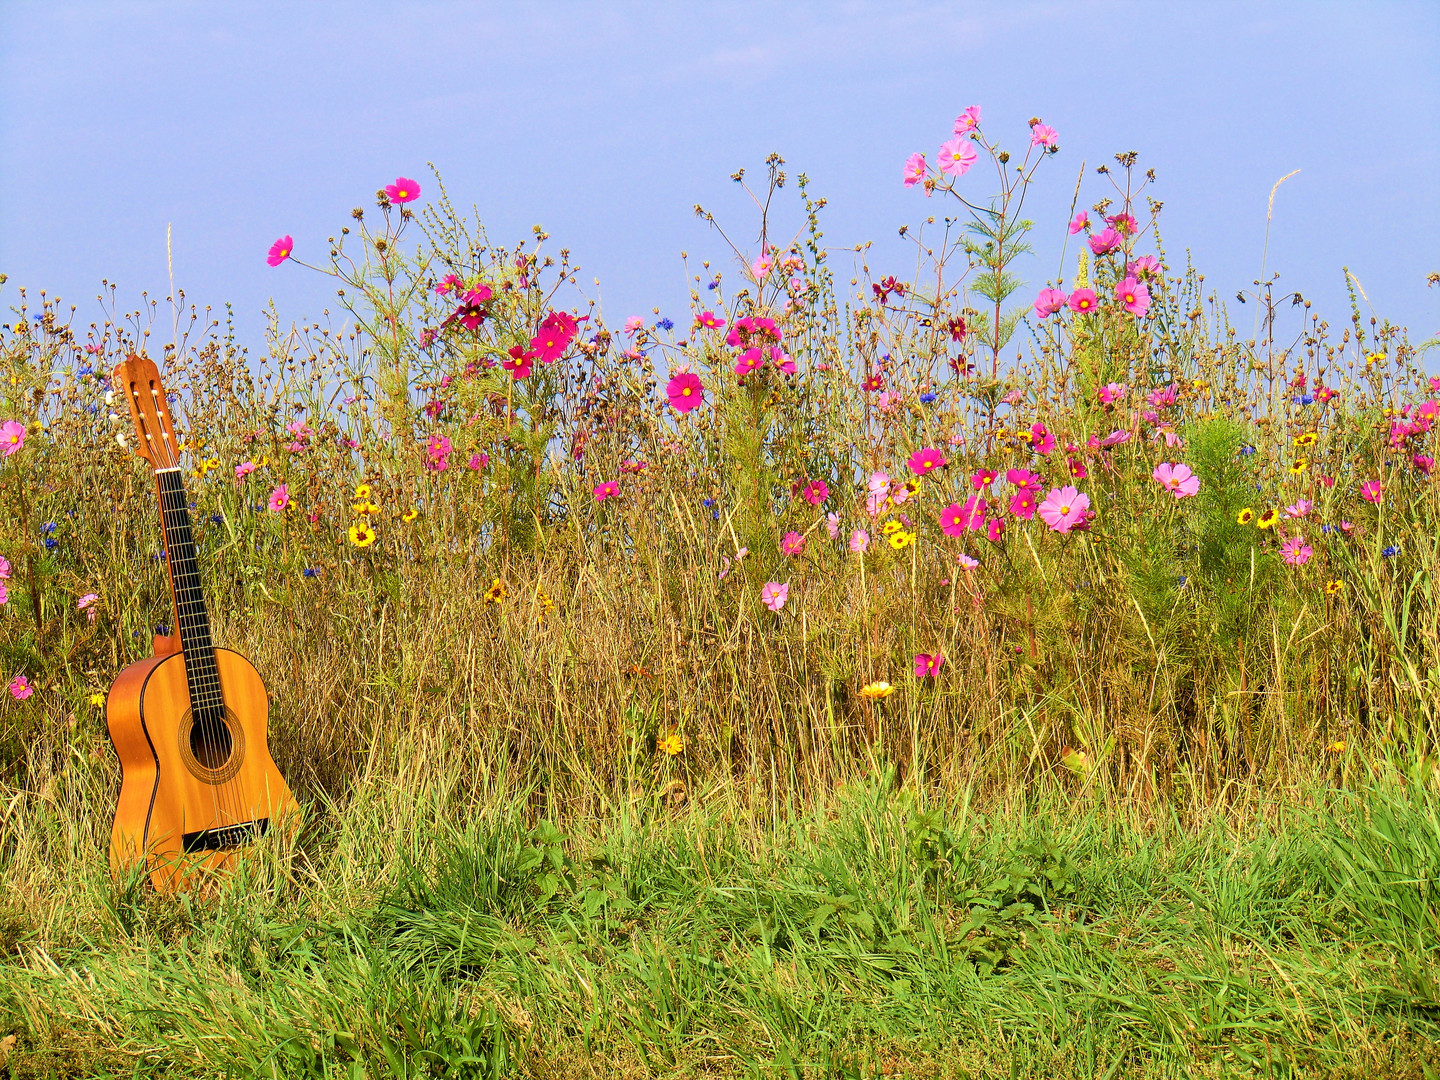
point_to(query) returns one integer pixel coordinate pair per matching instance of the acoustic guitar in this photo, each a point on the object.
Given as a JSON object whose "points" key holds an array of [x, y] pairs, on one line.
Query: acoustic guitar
{"points": [[189, 723]]}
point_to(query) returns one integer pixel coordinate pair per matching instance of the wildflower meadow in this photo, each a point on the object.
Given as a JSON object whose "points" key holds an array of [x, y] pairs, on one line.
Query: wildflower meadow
{"points": [[958, 669]]}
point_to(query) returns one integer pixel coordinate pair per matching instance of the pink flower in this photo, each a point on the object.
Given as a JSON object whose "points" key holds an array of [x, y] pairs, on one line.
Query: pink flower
{"points": [[280, 499], [782, 360], [707, 320], [552, 341], [953, 520], [994, 529], [956, 156], [606, 490], [86, 604], [1295, 551], [859, 541], [792, 543], [448, 282], [1049, 301], [20, 689], [816, 492], [914, 170], [685, 391], [280, 251], [927, 665], [1079, 222], [832, 525], [1105, 241], [1023, 505], [477, 462], [1434, 384], [983, 479], [1023, 479], [4, 595], [244, 469], [1077, 468], [879, 481], [1134, 297], [402, 190], [1125, 223], [1063, 507], [12, 437], [1145, 266], [1299, 509], [968, 121], [762, 266], [1370, 491], [1044, 135], [924, 461], [1423, 462], [634, 324], [1117, 438], [876, 381], [973, 513], [1176, 479], [773, 594], [750, 360], [886, 401], [1163, 397], [1082, 301], [966, 562], [726, 565], [1041, 441], [1113, 392]]}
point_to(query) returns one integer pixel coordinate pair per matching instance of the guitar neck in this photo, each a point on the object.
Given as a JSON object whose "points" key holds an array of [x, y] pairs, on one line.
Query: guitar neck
{"points": [[191, 617]]}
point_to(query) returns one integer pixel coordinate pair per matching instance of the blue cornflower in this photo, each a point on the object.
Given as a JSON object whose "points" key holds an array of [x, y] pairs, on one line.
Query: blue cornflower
{"points": [[311, 571], [707, 502], [1390, 552], [715, 514], [1183, 579], [162, 630], [1307, 400], [86, 370], [1324, 528], [51, 543], [714, 284], [664, 324], [926, 398], [216, 519], [1246, 451], [48, 528], [172, 397], [92, 409]]}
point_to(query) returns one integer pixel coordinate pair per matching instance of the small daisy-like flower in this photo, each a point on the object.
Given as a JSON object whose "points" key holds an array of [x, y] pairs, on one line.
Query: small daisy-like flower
{"points": [[671, 744], [1334, 587], [875, 691], [1245, 516], [1307, 439], [1267, 519], [365, 507], [97, 700], [496, 592], [363, 492], [1298, 466], [410, 515], [891, 527], [901, 540], [1336, 747], [361, 535]]}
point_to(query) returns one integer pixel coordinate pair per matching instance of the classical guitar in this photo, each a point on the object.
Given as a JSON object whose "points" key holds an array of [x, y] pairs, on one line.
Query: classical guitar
{"points": [[189, 723]]}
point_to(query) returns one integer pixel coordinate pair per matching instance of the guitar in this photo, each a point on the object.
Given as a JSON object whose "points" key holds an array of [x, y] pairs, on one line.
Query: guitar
{"points": [[189, 723]]}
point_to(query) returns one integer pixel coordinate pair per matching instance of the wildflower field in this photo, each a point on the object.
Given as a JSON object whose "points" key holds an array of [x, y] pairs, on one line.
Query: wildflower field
{"points": [[921, 671]]}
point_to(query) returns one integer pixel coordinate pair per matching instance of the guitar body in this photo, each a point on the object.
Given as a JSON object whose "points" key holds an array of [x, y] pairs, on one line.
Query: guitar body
{"points": [[190, 797]]}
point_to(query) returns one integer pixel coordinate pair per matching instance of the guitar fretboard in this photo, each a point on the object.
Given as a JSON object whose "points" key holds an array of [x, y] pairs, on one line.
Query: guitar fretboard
{"points": [[191, 616]]}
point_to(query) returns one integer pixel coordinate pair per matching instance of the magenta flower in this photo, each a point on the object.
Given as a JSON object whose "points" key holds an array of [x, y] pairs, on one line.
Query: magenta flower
{"points": [[968, 121], [1105, 241], [832, 525], [244, 469], [12, 437], [974, 513], [606, 490], [750, 360], [783, 361], [953, 520], [1113, 392], [994, 529], [1144, 266], [1295, 551], [20, 689], [708, 320], [448, 282], [1079, 222], [914, 170], [86, 604], [1134, 297], [1023, 479], [280, 251], [1077, 468], [477, 462], [1176, 479], [280, 499], [773, 594], [4, 595], [1300, 508], [549, 345], [1049, 301], [928, 664], [792, 543], [469, 315], [4, 568], [1163, 397], [1116, 438], [1082, 301], [927, 460], [1024, 504], [1041, 441], [956, 156], [1370, 491], [1044, 135], [1124, 223], [859, 541], [1423, 462], [1063, 508], [685, 391], [983, 479], [816, 492], [402, 190]]}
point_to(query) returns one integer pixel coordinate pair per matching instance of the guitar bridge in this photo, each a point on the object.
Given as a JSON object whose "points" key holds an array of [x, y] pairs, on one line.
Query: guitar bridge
{"points": [[225, 837]]}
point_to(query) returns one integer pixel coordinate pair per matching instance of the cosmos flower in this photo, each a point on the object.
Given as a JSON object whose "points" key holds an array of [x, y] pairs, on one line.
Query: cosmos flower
{"points": [[685, 391], [1063, 508], [280, 251], [1176, 479], [403, 190], [773, 594], [608, 489], [927, 665]]}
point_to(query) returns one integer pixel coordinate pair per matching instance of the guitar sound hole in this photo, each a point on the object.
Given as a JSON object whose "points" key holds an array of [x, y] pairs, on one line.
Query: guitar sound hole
{"points": [[210, 741]]}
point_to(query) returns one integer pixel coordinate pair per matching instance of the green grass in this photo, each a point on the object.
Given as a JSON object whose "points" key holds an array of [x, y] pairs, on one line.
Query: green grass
{"points": [[419, 931]]}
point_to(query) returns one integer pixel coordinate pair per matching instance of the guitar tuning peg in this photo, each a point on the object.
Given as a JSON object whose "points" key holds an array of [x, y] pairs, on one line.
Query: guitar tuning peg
{"points": [[115, 418], [120, 438], [109, 397]]}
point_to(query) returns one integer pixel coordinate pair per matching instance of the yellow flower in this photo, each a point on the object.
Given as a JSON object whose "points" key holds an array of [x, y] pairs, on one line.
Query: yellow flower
{"points": [[363, 492], [912, 486], [260, 463], [1374, 358], [365, 508], [1308, 439], [212, 463], [544, 605], [1298, 466], [97, 699], [1334, 587], [1200, 384], [1336, 747], [876, 690], [1245, 516], [1268, 519], [672, 744], [362, 535], [410, 515], [496, 592], [901, 540], [891, 526]]}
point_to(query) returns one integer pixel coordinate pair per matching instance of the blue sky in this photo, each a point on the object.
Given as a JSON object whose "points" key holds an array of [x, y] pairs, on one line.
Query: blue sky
{"points": [[237, 122]]}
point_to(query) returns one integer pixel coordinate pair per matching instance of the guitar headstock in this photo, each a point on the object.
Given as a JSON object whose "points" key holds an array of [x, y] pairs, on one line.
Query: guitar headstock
{"points": [[139, 380]]}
